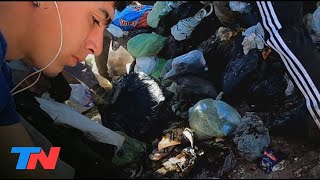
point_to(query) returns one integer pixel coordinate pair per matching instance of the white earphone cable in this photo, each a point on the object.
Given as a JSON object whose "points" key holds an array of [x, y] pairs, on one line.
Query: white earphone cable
{"points": [[39, 71]]}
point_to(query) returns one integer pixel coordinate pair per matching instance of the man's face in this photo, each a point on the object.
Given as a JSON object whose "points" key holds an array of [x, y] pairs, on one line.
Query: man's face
{"points": [[83, 25]]}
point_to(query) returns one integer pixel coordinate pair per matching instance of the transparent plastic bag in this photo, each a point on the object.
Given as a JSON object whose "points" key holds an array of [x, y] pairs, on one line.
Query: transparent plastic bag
{"points": [[213, 118]]}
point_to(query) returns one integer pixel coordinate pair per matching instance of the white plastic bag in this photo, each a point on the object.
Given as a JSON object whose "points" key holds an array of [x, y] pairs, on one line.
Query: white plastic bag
{"points": [[63, 114], [145, 64]]}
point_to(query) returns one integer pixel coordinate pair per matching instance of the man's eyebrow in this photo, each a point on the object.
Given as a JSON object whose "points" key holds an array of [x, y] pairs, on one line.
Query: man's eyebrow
{"points": [[106, 14]]}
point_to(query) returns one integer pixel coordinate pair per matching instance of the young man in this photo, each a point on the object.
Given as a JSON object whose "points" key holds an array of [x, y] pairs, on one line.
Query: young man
{"points": [[34, 31]]}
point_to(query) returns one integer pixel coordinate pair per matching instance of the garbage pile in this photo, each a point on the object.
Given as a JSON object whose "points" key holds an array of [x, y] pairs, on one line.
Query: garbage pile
{"points": [[186, 53], [203, 92], [203, 87]]}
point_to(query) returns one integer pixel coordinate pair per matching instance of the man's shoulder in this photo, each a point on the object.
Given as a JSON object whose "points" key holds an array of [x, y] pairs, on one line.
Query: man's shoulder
{"points": [[8, 114]]}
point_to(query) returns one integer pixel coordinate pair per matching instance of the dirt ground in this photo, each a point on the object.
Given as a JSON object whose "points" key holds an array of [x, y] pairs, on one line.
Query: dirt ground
{"points": [[302, 160]]}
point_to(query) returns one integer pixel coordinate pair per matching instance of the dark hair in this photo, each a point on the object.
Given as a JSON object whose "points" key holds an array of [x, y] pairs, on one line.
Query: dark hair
{"points": [[121, 5]]}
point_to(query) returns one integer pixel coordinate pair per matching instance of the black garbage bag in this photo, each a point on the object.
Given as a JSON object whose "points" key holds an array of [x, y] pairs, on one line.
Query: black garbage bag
{"points": [[309, 7], [189, 90], [138, 107], [121, 5], [183, 11], [241, 71], [173, 48], [215, 54], [248, 20], [291, 120], [268, 92], [147, 2], [193, 86], [60, 89], [202, 32]]}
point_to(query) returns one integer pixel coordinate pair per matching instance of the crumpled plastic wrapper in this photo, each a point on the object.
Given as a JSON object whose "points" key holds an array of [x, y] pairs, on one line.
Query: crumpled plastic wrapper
{"points": [[254, 38]]}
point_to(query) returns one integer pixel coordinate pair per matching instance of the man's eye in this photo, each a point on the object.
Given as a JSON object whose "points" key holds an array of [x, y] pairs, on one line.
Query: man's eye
{"points": [[95, 21]]}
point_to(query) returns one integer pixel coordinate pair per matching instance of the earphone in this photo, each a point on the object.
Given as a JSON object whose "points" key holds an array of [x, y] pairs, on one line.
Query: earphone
{"points": [[40, 70]]}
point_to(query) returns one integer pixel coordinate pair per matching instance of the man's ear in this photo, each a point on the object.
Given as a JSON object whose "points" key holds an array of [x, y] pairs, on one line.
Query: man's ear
{"points": [[42, 4], [36, 4]]}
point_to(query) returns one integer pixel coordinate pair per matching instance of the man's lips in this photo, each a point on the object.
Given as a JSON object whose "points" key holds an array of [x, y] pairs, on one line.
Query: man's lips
{"points": [[76, 60], [79, 59]]}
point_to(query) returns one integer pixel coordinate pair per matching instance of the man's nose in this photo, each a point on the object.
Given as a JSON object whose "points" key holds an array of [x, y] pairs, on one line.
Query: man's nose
{"points": [[94, 41]]}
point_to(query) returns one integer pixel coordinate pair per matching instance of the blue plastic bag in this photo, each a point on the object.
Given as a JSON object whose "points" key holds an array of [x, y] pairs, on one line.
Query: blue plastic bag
{"points": [[190, 62], [316, 21], [132, 17], [239, 6]]}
